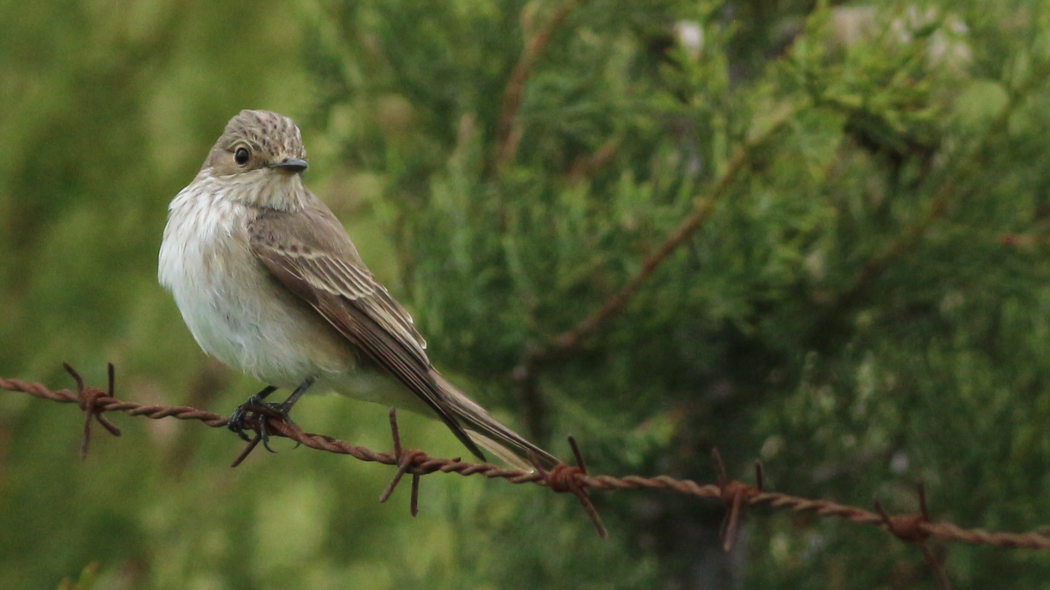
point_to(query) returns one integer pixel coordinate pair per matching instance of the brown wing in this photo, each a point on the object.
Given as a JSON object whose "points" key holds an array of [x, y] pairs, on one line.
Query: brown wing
{"points": [[311, 255]]}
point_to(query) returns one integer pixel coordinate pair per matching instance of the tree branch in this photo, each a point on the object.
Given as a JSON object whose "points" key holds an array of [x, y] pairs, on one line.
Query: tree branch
{"points": [[509, 128]]}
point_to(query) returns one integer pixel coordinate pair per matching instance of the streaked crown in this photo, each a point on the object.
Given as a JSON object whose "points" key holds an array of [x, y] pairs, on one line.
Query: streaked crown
{"points": [[267, 137]]}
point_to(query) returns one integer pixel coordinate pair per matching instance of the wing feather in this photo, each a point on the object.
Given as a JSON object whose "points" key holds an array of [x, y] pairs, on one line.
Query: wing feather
{"points": [[349, 298]]}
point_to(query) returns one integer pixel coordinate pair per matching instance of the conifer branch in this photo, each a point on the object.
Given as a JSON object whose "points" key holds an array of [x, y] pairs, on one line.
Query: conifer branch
{"points": [[875, 266], [616, 303], [510, 131], [525, 374]]}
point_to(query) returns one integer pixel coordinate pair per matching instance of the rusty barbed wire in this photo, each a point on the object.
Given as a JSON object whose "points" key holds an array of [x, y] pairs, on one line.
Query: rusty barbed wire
{"points": [[737, 495]]}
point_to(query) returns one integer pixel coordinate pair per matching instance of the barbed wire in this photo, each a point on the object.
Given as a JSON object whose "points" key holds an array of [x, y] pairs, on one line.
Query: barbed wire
{"points": [[737, 495]]}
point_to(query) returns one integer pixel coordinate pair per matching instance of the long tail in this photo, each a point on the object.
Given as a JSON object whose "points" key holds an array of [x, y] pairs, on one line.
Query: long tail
{"points": [[489, 434]]}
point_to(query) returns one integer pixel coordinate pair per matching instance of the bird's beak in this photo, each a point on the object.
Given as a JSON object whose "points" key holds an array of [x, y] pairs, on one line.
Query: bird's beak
{"points": [[291, 165]]}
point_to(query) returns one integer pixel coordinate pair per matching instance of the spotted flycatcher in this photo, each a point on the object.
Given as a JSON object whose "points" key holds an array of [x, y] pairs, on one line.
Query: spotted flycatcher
{"points": [[269, 283]]}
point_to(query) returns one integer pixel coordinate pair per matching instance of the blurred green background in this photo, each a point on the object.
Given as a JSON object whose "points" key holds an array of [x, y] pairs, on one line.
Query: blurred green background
{"points": [[865, 307]]}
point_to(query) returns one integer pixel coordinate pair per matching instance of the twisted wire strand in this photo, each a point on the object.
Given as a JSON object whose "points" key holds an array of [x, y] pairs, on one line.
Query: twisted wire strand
{"points": [[909, 528]]}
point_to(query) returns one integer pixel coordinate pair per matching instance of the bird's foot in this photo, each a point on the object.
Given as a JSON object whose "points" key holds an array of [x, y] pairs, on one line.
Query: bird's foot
{"points": [[252, 415]]}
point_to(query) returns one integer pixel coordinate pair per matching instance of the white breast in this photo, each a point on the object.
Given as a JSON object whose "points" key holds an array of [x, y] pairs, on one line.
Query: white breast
{"points": [[229, 302]]}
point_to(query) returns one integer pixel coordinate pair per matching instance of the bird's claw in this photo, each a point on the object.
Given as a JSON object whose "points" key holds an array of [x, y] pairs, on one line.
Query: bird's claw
{"points": [[252, 415], [243, 414]]}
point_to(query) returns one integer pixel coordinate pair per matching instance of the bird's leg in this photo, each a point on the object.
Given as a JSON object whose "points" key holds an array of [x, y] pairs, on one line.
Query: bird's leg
{"points": [[286, 407], [283, 410]]}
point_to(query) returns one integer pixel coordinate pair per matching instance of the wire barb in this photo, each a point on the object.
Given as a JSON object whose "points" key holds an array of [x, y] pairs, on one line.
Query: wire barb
{"points": [[567, 478], [911, 528], [737, 496], [254, 442], [405, 461], [88, 399]]}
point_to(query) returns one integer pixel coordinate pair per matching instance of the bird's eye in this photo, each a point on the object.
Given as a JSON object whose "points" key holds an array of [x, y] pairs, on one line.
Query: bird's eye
{"points": [[241, 156]]}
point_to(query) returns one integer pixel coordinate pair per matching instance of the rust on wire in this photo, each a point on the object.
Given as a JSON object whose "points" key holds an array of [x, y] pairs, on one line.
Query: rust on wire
{"points": [[254, 442], [910, 529], [567, 478], [405, 461], [575, 479], [735, 494], [88, 398]]}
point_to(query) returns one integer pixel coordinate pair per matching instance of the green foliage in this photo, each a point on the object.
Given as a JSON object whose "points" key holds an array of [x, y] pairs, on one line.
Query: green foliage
{"points": [[842, 309], [862, 306]]}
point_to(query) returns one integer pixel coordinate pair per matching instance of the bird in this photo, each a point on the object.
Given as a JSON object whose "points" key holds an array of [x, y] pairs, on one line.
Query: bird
{"points": [[269, 282]]}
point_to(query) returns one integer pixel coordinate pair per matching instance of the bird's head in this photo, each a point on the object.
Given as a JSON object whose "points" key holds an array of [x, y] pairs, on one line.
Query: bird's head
{"points": [[261, 153]]}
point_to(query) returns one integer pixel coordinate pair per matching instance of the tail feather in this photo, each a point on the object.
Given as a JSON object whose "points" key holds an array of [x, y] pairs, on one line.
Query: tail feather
{"points": [[499, 451], [489, 434]]}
